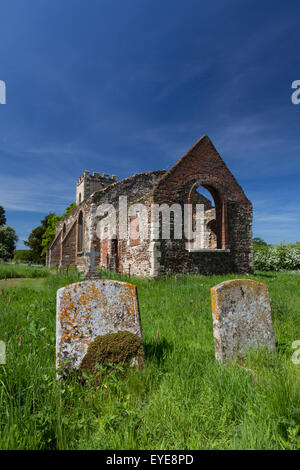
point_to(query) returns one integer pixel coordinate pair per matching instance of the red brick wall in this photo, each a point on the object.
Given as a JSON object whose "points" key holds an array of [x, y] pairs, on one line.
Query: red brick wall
{"points": [[104, 251], [134, 230], [202, 165]]}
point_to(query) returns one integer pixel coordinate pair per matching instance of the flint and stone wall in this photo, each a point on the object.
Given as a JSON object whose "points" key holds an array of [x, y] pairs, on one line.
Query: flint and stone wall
{"points": [[203, 166], [231, 236], [119, 255]]}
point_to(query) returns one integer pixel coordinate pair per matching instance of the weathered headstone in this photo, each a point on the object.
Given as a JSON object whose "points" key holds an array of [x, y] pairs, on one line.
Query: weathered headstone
{"points": [[241, 318], [88, 309]]}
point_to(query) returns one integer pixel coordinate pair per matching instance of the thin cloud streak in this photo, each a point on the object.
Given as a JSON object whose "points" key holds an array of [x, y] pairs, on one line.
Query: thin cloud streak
{"points": [[39, 195]]}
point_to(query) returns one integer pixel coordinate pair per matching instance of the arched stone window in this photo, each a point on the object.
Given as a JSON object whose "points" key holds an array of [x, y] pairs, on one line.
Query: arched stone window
{"points": [[64, 230], [79, 198], [80, 232], [213, 233]]}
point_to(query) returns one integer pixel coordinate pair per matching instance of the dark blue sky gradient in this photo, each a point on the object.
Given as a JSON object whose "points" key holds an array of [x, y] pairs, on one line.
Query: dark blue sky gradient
{"points": [[127, 86]]}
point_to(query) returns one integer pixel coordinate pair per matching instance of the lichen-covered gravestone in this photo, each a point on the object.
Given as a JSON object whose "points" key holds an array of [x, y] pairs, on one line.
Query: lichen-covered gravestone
{"points": [[241, 318], [90, 309]]}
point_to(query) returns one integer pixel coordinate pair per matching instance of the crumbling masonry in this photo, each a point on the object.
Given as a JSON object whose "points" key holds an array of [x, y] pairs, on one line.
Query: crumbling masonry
{"points": [[227, 243]]}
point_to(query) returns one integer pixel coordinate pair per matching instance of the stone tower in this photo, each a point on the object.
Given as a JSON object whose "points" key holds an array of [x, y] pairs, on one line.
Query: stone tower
{"points": [[87, 184]]}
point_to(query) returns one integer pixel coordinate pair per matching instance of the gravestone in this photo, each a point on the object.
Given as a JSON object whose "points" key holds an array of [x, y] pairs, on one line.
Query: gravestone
{"points": [[241, 318], [89, 309], [91, 272]]}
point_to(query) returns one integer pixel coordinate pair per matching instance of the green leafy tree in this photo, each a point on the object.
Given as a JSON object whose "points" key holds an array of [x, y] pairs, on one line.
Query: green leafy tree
{"points": [[35, 239], [52, 222], [49, 234], [68, 209], [43, 235], [257, 241], [2, 216], [8, 239]]}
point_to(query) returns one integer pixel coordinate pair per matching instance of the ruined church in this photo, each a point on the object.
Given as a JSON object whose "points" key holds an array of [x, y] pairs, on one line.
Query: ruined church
{"points": [[226, 243]]}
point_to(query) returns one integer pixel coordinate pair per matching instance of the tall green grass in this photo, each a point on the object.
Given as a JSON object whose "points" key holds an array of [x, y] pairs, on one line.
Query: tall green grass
{"points": [[12, 271], [182, 399]]}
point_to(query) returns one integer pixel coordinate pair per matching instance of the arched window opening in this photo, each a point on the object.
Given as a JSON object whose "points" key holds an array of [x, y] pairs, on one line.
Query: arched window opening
{"points": [[202, 195], [79, 198], [64, 230], [80, 233], [209, 222]]}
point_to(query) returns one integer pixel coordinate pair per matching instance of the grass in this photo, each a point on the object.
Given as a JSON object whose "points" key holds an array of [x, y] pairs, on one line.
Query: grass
{"points": [[31, 283], [182, 399], [12, 271]]}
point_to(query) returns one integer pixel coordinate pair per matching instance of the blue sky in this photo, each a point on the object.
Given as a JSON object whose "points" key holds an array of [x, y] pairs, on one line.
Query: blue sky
{"points": [[127, 86]]}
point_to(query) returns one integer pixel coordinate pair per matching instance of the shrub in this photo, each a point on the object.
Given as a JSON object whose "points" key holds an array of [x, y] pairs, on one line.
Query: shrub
{"points": [[23, 256], [277, 257], [8, 239]]}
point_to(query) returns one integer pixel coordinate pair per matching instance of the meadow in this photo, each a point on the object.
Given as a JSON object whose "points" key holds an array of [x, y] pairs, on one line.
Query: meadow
{"points": [[182, 399]]}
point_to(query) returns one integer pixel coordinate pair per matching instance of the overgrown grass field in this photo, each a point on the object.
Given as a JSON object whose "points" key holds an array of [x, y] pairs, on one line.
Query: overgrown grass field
{"points": [[181, 400], [14, 271]]}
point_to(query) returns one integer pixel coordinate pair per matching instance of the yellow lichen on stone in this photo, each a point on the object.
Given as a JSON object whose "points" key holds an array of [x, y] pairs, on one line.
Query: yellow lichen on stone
{"points": [[92, 308], [214, 303]]}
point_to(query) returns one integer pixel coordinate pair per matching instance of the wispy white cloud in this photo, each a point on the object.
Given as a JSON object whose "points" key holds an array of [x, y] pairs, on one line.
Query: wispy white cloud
{"points": [[39, 194], [266, 218]]}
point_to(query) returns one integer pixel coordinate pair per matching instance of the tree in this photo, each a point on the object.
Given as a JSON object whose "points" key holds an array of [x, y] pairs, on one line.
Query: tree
{"points": [[2, 216], [49, 234], [8, 239], [52, 222], [35, 241], [257, 241], [68, 209], [43, 235]]}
